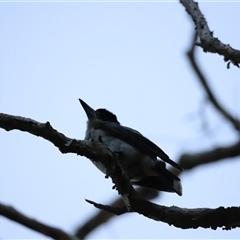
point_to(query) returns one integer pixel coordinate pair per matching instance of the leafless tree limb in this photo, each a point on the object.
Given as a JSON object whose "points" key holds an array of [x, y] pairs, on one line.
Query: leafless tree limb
{"points": [[99, 152], [226, 218], [208, 42], [103, 216], [91, 150], [189, 161], [55, 233], [202, 79]]}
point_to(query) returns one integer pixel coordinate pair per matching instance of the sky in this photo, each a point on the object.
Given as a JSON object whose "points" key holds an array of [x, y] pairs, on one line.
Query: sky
{"points": [[129, 58]]}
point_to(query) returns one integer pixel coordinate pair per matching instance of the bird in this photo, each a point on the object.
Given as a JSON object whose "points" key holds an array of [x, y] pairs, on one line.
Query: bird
{"points": [[142, 160]]}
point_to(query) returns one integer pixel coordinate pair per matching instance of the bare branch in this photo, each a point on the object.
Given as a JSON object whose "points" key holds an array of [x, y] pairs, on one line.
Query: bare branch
{"points": [[133, 201], [114, 210], [208, 42], [91, 150], [189, 161], [209, 92], [55, 233], [226, 218], [103, 216]]}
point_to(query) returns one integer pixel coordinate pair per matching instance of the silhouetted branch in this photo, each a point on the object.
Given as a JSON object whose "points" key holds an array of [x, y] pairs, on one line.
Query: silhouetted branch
{"points": [[226, 218], [89, 149], [189, 161], [102, 216], [208, 42], [133, 201], [209, 92], [118, 210], [16, 216]]}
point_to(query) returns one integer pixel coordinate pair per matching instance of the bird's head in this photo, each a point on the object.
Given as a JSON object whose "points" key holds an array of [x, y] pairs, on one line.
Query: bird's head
{"points": [[99, 114]]}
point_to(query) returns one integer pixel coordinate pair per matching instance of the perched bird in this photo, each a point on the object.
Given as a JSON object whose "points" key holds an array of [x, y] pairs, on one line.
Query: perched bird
{"points": [[137, 155]]}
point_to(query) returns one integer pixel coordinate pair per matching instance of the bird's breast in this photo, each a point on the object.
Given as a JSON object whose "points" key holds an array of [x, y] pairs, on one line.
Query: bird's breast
{"points": [[132, 160], [116, 145]]}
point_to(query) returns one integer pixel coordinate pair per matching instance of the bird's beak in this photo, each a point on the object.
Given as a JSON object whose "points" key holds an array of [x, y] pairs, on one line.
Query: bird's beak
{"points": [[91, 113]]}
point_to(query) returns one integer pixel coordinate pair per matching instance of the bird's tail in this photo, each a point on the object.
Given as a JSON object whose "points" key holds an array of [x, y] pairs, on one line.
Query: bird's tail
{"points": [[164, 181]]}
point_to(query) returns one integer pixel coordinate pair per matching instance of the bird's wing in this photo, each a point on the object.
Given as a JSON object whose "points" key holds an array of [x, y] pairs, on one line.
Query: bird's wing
{"points": [[137, 140]]}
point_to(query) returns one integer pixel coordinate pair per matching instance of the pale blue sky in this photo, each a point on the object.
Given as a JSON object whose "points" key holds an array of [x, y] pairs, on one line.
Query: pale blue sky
{"points": [[130, 59]]}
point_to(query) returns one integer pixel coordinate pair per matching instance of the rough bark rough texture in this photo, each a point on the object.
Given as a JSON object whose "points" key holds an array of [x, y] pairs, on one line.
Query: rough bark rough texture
{"points": [[226, 218], [208, 42]]}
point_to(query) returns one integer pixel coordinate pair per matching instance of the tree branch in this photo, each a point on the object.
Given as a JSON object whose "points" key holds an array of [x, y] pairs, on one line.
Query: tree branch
{"points": [[189, 161], [208, 42], [133, 201], [192, 59], [91, 150], [103, 216], [226, 218], [13, 214]]}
